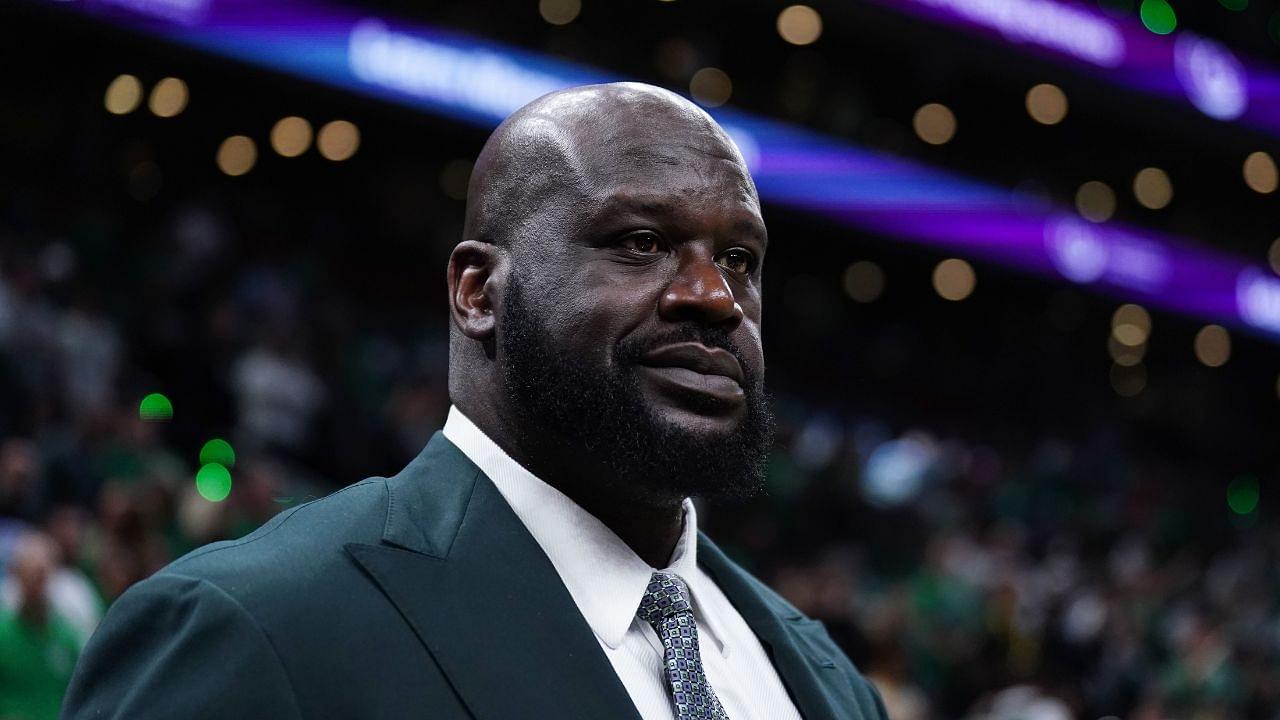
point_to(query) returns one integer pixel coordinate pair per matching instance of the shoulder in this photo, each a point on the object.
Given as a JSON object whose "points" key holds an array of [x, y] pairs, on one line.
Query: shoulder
{"points": [[300, 545]]}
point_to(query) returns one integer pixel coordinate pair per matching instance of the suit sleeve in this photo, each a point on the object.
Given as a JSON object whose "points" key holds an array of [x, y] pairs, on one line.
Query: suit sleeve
{"points": [[175, 646]]}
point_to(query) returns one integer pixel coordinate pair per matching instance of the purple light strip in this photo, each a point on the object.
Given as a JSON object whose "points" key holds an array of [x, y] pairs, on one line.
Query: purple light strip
{"points": [[1183, 66], [481, 82]]}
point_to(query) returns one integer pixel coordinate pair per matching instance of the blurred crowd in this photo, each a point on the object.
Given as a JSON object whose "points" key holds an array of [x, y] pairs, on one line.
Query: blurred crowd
{"points": [[1089, 577]]}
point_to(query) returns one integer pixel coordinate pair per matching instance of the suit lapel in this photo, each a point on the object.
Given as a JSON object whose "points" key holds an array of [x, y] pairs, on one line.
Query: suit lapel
{"points": [[804, 672], [484, 599]]}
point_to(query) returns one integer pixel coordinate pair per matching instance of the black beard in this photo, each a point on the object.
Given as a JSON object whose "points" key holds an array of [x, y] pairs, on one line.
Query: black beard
{"points": [[576, 409]]}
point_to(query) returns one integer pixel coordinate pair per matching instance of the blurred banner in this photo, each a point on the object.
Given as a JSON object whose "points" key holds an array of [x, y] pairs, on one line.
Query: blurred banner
{"points": [[481, 82], [1139, 56]]}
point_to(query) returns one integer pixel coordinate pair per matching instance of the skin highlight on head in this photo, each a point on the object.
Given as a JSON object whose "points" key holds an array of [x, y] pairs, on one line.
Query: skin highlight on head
{"points": [[606, 306]]}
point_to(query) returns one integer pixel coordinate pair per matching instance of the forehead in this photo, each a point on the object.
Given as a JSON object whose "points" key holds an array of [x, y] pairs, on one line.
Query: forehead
{"points": [[652, 173]]}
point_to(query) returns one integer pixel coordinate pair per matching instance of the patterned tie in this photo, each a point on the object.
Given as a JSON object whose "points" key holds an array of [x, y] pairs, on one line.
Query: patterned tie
{"points": [[666, 607]]}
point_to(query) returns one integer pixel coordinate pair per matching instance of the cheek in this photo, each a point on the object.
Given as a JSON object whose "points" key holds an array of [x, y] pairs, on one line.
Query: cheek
{"points": [[587, 322], [749, 342]]}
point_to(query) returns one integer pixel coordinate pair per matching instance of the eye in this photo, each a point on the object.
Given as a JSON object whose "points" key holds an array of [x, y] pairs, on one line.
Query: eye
{"points": [[642, 241], [738, 260]]}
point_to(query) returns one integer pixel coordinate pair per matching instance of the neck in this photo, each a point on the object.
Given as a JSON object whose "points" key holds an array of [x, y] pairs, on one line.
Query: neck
{"points": [[650, 532], [651, 529]]}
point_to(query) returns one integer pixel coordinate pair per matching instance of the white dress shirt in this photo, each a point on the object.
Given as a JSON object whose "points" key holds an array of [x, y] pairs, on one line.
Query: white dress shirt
{"points": [[607, 581]]}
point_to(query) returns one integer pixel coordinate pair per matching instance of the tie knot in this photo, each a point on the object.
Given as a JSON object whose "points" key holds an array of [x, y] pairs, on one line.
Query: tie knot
{"points": [[665, 596]]}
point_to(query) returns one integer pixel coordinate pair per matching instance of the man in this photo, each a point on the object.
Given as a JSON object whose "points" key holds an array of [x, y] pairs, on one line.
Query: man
{"points": [[540, 558], [38, 648]]}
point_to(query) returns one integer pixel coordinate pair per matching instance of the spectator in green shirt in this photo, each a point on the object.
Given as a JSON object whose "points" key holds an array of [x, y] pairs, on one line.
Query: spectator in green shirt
{"points": [[38, 650]]}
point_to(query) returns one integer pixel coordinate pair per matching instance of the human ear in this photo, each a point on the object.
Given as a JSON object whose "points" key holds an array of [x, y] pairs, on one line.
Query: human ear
{"points": [[471, 279]]}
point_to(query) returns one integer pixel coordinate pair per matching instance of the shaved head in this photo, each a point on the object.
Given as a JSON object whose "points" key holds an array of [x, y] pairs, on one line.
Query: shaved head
{"points": [[564, 144]]}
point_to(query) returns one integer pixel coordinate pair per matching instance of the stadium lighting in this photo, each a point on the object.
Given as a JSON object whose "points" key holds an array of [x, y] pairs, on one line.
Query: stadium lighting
{"points": [[155, 407], [954, 279], [1158, 16], [213, 482], [480, 82], [559, 12], [291, 136], [123, 96], [934, 123], [1047, 104], [1095, 201], [217, 450], [1260, 173], [1125, 355], [168, 97], [338, 140], [1153, 188], [1213, 346], [800, 25], [1131, 325], [236, 155], [711, 87]]}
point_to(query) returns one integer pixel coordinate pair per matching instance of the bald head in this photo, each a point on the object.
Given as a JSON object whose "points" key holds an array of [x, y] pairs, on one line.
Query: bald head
{"points": [[570, 144]]}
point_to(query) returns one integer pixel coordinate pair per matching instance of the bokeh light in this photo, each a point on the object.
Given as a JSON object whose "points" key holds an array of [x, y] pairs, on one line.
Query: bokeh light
{"points": [[1273, 256], [168, 97], [1236, 5], [291, 136], [1047, 104], [1213, 345], [711, 87], [1243, 494], [236, 155], [218, 451], [1260, 172], [864, 281], [1095, 201], [934, 123], [1153, 188], [1158, 16], [800, 25], [559, 12], [124, 94], [1125, 355], [338, 140], [213, 482], [155, 408], [954, 279], [1128, 380], [1131, 325]]}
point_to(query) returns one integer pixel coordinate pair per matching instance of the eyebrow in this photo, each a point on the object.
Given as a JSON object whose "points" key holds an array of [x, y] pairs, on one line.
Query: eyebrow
{"points": [[624, 202]]}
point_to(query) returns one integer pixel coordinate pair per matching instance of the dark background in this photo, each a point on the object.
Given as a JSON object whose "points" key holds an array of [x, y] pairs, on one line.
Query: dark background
{"points": [[1052, 546]]}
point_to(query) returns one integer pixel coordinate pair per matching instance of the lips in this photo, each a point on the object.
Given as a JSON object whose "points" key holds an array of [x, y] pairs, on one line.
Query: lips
{"points": [[698, 358]]}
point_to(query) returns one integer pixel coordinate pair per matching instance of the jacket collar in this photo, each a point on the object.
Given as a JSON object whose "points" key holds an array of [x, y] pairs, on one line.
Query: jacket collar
{"points": [[480, 594]]}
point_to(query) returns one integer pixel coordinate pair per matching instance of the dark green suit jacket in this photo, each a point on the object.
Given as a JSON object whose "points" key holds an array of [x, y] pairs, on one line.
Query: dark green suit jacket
{"points": [[416, 596]]}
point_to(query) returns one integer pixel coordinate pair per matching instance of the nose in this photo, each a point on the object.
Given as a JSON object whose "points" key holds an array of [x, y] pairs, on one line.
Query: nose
{"points": [[699, 292]]}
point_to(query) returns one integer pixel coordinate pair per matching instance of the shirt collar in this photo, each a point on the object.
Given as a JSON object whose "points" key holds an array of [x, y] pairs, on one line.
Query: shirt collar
{"points": [[605, 577]]}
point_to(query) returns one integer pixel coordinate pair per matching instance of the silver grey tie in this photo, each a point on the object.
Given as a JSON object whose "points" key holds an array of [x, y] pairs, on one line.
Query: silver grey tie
{"points": [[666, 607]]}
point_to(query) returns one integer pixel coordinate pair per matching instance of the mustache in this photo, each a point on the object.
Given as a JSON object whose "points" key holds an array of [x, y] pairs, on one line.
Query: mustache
{"points": [[631, 350]]}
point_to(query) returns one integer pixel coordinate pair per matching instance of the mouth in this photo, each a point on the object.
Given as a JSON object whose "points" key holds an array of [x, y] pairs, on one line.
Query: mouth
{"points": [[683, 368]]}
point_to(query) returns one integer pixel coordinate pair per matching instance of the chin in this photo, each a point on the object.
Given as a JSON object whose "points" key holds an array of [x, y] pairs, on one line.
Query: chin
{"points": [[698, 422]]}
